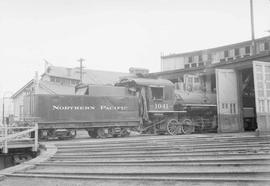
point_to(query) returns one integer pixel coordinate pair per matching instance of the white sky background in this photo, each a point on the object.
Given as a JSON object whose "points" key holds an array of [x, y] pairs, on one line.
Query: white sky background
{"points": [[115, 34]]}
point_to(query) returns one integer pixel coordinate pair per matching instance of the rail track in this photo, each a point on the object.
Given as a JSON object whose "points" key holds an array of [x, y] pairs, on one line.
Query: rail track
{"points": [[210, 159]]}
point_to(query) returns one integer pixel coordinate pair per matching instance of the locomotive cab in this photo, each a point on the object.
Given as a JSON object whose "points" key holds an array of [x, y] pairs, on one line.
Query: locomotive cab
{"points": [[158, 94], [161, 98], [157, 102]]}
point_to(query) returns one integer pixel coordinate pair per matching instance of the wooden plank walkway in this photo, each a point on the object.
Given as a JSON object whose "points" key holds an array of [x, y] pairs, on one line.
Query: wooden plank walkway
{"points": [[18, 137], [205, 159], [19, 143]]}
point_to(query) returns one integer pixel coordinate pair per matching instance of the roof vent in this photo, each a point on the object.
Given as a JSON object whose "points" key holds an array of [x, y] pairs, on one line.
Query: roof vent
{"points": [[135, 71]]}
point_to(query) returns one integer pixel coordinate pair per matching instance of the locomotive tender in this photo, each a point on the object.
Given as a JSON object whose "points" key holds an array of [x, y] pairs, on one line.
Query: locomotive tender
{"points": [[140, 104]]}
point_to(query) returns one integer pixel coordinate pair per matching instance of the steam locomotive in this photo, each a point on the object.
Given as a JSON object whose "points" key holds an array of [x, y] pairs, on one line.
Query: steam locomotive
{"points": [[134, 104]]}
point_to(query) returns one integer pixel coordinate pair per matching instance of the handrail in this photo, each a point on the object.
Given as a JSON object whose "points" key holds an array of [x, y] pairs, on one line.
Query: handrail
{"points": [[7, 136], [18, 127]]}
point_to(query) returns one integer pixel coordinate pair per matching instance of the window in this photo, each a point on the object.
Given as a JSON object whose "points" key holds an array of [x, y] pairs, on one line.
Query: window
{"points": [[213, 83], [236, 52], [74, 82], [247, 49], [266, 46], [57, 80], [157, 92], [82, 91], [200, 58], [52, 79], [186, 65], [201, 64], [196, 80], [69, 71], [195, 58], [64, 81], [222, 60], [194, 65], [190, 59], [21, 112], [226, 53], [189, 79], [209, 56]]}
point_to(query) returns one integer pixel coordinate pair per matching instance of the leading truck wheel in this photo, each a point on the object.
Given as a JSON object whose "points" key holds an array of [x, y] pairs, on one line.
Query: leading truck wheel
{"points": [[187, 126], [174, 127]]}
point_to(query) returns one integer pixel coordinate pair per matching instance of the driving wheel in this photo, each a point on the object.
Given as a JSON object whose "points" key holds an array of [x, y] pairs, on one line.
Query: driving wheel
{"points": [[187, 126], [173, 127]]}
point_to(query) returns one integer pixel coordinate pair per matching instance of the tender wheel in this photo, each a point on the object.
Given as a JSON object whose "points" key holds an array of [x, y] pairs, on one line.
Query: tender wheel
{"points": [[43, 134], [92, 134], [101, 133], [124, 133], [173, 127], [187, 126], [73, 133]]}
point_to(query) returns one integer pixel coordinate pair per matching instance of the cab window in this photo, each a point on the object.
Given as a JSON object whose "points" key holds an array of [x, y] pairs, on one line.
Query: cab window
{"points": [[157, 92], [168, 93]]}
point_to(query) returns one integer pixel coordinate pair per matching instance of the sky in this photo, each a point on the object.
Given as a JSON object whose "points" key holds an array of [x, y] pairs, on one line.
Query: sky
{"points": [[115, 35]]}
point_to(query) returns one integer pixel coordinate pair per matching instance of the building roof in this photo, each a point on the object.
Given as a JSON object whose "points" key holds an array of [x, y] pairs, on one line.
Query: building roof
{"points": [[46, 87], [236, 64], [89, 76], [97, 77], [27, 85]]}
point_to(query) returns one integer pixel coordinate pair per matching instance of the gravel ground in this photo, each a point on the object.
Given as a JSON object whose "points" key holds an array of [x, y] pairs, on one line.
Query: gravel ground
{"points": [[79, 182]]}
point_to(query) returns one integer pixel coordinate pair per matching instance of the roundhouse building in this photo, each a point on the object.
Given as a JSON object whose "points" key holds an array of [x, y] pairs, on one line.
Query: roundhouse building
{"points": [[235, 78]]}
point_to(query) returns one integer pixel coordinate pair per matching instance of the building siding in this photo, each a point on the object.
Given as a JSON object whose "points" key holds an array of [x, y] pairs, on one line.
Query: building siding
{"points": [[219, 54]]}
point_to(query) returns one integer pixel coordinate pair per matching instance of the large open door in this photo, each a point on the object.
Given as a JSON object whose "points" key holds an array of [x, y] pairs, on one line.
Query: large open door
{"points": [[261, 72], [227, 101]]}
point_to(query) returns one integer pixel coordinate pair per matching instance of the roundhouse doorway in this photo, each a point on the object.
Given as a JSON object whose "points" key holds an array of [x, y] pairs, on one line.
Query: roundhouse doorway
{"points": [[248, 99], [243, 98]]}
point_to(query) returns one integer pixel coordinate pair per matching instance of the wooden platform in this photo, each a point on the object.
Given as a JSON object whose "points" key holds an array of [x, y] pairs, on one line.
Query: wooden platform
{"points": [[200, 159], [18, 138], [19, 144]]}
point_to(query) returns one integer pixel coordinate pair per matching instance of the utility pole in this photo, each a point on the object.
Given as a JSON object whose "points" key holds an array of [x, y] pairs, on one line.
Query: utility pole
{"points": [[252, 28], [81, 60], [3, 112]]}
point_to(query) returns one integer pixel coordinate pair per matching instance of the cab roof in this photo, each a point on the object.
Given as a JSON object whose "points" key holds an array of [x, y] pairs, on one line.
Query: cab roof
{"points": [[145, 82]]}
